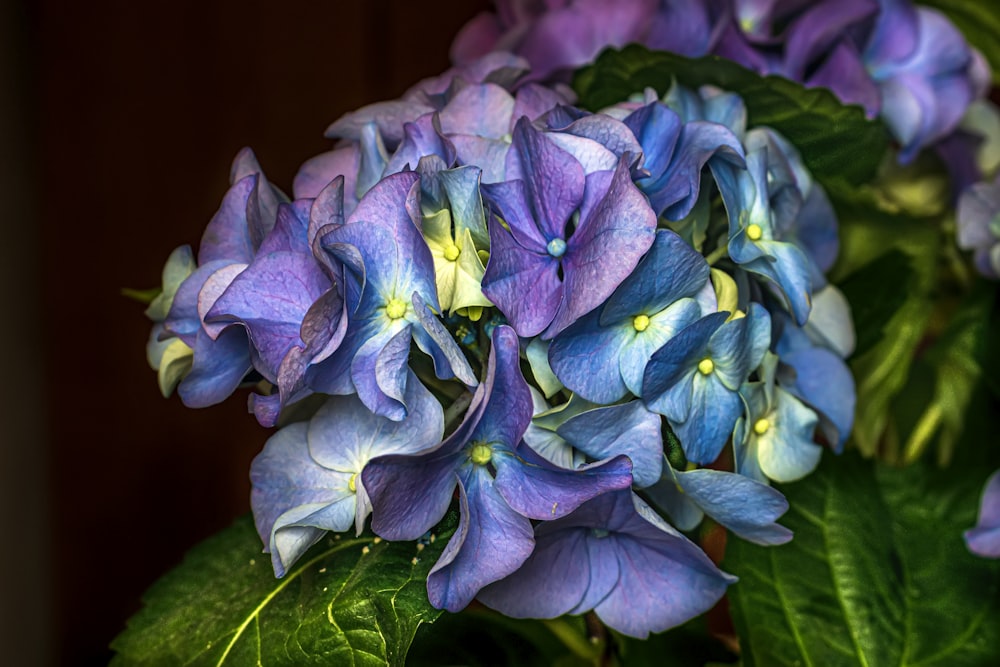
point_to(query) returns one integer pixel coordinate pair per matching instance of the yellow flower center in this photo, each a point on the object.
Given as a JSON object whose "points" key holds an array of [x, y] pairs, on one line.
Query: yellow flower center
{"points": [[352, 484], [706, 366], [760, 426], [452, 252], [640, 322], [395, 309], [754, 232], [481, 454]]}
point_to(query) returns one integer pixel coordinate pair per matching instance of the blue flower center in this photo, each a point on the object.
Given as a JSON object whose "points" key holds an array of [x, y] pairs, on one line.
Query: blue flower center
{"points": [[556, 248], [599, 533]]}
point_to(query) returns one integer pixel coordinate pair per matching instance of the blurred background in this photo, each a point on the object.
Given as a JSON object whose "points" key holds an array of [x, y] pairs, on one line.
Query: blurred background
{"points": [[118, 122]]}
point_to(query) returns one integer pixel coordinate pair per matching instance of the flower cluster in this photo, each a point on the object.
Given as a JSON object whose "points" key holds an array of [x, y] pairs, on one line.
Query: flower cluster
{"points": [[906, 64], [593, 329]]}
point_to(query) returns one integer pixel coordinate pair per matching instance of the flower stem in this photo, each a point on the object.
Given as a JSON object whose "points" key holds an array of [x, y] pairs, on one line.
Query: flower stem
{"points": [[574, 641], [717, 254]]}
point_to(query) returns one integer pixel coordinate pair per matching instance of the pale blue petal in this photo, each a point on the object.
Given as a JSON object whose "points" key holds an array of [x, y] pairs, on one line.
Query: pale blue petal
{"points": [[628, 429]]}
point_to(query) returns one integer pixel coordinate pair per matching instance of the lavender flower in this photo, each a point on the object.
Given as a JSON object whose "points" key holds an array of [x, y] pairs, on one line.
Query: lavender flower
{"points": [[616, 556], [502, 484]]}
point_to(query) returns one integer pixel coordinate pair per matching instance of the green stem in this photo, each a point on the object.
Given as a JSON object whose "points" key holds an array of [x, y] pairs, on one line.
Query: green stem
{"points": [[574, 641], [717, 254]]}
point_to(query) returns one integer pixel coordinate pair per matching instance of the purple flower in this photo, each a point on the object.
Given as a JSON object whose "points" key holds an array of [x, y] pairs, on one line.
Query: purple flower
{"points": [[984, 539], [502, 484], [222, 351], [390, 291], [615, 556], [558, 37], [545, 271], [814, 45], [290, 301], [926, 73]]}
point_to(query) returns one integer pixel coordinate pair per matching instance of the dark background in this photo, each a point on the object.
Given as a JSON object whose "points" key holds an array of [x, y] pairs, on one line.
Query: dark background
{"points": [[118, 121]]}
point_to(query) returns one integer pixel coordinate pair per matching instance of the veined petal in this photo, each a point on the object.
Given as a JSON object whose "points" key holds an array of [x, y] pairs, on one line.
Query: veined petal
{"points": [[621, 226], [535, 488], [523, 284], [744, 506], [586, 356], [628, 429], [710, 421], [487, 526], [553, 179], [410, 494], [344, 435], [552, 582], [670, 271]]}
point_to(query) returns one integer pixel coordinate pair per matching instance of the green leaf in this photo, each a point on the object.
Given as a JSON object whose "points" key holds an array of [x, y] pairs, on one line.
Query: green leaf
{"points": [[877, 574], [957, 358], [350, 601], [837, 142], [979, 21], [892, 303], [876, 291], [481, 637]]}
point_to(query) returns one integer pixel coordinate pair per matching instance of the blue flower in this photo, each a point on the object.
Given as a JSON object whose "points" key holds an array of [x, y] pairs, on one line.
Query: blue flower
{"points": [[745, 506], [615, 556], [694, 380], [754, 237], [674, 153], [603, 355], [502, 484], [774, 439]]}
